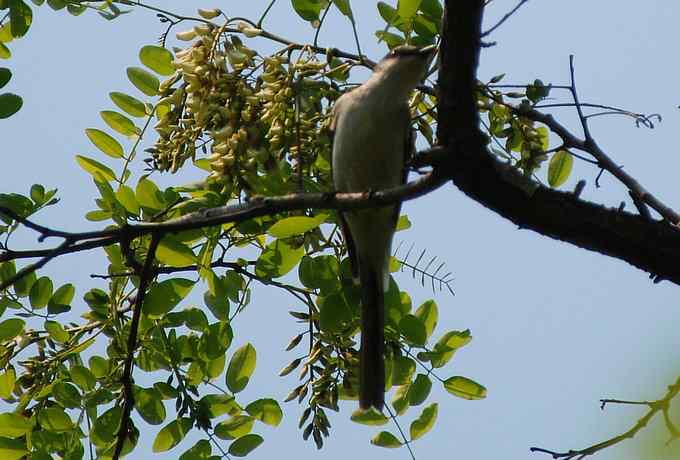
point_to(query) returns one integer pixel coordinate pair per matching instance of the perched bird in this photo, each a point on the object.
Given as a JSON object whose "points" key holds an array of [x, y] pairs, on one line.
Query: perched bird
{"points": [[371, 144]]}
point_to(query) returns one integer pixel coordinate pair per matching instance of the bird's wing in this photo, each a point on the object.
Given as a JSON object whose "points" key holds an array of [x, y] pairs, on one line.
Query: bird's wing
{"points": [[409, 150], [342, 222]]}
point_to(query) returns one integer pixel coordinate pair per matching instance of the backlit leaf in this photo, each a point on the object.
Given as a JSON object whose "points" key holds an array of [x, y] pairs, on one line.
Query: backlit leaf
{"points": [[241, 367], [94, 167], [105, 143], [560, 167], [166, 295], [386, 439], [424, 422], [172, 434], [119, 123], [245, 445], [464, 388], [266, 410], [128, 104], [157, 59], [143, 80]]}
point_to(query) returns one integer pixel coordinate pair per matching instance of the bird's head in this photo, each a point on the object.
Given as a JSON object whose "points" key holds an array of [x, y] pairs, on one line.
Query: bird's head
{"points": [[406, 65]]}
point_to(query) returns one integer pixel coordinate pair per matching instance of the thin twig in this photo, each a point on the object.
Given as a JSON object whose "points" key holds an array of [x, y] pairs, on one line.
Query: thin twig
{"points": [[505, 18]]}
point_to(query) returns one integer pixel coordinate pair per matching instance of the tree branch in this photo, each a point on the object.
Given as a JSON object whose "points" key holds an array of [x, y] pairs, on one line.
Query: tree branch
{"points": [[145, 275], [649, 245], [655, 407]]}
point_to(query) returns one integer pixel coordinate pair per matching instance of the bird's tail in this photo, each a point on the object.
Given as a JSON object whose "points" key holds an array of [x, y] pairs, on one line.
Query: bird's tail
{"points": [[372, 371]]}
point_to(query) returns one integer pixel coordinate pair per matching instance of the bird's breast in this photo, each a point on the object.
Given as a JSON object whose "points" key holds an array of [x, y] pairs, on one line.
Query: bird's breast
{"points": [[368, 148]]}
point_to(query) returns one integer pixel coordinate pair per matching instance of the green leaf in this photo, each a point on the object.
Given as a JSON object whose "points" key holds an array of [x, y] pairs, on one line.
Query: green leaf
{"points": [[296, 225], [370, 417], [386, 439], [218, 405], [55, 419], [464, 388], [321, 272], [5, 53], [144, 81], [335, 314], [428, 313], [392, 40], [23, 286], [424, 423], [307, 9], [199, 451], [559, 168], [419, 390], [432, 9], [235, 427], [7, 381], [99, 366], [413, 330], [105, 428], [241, 367], [447, 345], [126, 196], [119, 123], [98, 215], [12, 449], [278, 258], [344, 7], [14, 425], [157, 59], [61, 299], [245, 445], [9, 103], [67, 395], [407, 9], [166, 295], [5, 76], [403, 223], [404, 368], [148, 195], [387, 12], [128, 104], [20, 17], [41, 292], [172, 434], [11, 328], [7, 270], [400, 399], [149, 404], [174, 253], [56, 331], [266, 410], [94, 167], [82, 377], [105, 143]]}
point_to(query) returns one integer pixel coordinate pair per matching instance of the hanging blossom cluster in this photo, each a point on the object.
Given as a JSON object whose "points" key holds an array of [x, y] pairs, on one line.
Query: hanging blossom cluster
{"points": [[259, 120]]}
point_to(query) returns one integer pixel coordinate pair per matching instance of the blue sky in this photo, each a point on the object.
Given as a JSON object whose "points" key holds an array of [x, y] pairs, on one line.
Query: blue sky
{"points": [[555, 328]]}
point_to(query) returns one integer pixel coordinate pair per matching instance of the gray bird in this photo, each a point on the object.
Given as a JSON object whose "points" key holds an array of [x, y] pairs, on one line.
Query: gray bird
{"points": [[371, 143]]}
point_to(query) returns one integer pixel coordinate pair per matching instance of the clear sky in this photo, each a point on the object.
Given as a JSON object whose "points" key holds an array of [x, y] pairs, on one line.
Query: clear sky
{"points": [[555, 328]]}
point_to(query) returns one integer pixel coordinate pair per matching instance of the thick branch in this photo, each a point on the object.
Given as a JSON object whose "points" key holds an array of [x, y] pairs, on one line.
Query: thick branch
{"points": [[648, 245]]}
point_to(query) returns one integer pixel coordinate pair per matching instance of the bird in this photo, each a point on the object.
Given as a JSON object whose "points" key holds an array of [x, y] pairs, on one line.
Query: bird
{"points": [[372, 142]]}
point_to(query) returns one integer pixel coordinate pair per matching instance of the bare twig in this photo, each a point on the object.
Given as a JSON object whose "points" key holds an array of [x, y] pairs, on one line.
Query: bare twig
{"points": [[505, 18], [655, 407]]}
